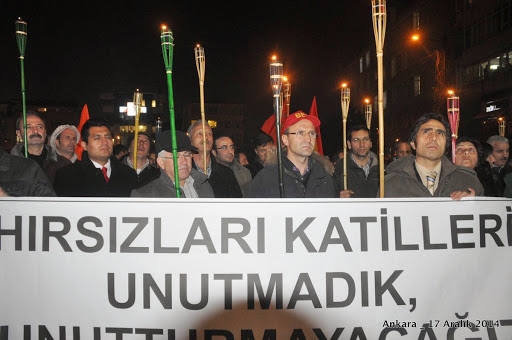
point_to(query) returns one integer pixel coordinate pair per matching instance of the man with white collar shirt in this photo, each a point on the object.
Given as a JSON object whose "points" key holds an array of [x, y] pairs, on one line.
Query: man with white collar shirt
{"points": [[99, 173]]}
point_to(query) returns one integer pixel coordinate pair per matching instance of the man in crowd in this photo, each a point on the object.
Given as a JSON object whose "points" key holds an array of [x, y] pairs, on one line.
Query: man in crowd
{"points": [[428, 172], [192, 183], [99, 173], [303, 176], [500, 168], [224, 153], [362, 166], [145, 171], [43, 154], [402, 149], [20, 176], [263, 144], [64, 139], [221, 178]]}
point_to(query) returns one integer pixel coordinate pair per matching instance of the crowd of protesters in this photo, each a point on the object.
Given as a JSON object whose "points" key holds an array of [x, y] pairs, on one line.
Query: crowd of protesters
{"points": [[209, 166]]}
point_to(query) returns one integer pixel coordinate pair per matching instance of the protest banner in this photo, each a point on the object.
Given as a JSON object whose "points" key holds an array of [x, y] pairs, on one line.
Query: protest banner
{"points": [[125, 269]]}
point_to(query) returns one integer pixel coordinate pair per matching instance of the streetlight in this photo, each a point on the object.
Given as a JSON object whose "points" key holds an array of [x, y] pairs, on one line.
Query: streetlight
{"points": [[440, 72]]}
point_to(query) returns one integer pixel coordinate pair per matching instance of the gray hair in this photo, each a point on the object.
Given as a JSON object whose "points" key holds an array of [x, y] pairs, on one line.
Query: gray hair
{"points": [[497, 138]]}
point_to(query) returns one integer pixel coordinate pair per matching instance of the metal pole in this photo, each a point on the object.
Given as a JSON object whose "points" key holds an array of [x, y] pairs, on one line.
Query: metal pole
{"points": [[201, 66], [137, 103], [167, 41], [345, 103], [276, 80], [21, 39], [379, 30]]}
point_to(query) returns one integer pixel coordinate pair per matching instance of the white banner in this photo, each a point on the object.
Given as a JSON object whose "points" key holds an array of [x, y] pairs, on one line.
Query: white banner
{"points": [[123, 269]]}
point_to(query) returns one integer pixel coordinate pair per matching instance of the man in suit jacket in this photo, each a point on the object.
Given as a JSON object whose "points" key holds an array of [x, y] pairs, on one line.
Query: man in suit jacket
{"points": [[99, 173]]}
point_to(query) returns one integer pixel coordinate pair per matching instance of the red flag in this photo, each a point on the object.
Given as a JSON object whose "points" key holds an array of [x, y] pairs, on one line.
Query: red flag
{"points": [[314, 112], [84, 116], [269, 127]]}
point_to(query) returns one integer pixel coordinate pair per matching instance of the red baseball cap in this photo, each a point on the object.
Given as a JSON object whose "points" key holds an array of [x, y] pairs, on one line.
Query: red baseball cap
{"points": [[297, 117]]}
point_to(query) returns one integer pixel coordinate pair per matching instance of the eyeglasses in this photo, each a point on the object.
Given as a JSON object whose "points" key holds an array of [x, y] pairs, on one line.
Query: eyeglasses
{"points": [[185, 155], [360, 140], [303, 134], [225, 147]]}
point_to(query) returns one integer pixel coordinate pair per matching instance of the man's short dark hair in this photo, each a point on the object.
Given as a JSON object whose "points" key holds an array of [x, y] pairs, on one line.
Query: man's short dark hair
{"points": [[93, 122], [118, 148], [262, 139], [19, 121], [132, 137], [356, 128], [432, 116]]}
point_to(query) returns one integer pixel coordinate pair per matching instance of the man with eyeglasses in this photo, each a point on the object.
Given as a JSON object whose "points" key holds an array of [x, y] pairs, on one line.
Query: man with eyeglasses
{"points": [[192, 183], [224, 152], [145, 171], [428, 172], [221, 178], [303, 176], [362, 166]]}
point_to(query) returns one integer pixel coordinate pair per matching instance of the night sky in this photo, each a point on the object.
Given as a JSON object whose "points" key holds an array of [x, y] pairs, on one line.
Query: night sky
{"points": [[77, 50]]}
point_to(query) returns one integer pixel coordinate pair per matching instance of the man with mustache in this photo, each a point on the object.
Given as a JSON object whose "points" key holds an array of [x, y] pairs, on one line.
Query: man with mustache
{"points": [[221, 178], [500, 168], [428, 172], [44, 155]]}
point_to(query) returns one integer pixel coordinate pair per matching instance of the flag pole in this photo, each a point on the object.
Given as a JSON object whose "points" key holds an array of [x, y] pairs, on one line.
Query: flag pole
{"points": [[287, 92], [453, 107], [379, 30], [167, 41], [137, 103], [21, 39], [345, 103], [276, 80], [201, 64]]}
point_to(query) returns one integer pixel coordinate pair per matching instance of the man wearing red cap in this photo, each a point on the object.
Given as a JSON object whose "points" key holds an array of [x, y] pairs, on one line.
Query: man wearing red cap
{"points": [[303, 176]]}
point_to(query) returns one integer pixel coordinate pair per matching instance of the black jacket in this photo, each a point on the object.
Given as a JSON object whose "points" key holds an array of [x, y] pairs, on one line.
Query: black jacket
{"points": [[20, 176], [83, 179], [362, 186], [223, 181]]}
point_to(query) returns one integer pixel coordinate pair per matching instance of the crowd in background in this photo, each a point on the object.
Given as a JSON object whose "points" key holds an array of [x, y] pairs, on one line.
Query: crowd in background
{"points": [[211, 166]]}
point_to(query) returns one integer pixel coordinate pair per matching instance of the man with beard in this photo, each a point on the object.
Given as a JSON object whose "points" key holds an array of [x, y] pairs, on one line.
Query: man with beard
{"points": [[362, 166], [44, 155], [224, 152], [303, 176], [428, 172], [221, 178], [64, 139]]}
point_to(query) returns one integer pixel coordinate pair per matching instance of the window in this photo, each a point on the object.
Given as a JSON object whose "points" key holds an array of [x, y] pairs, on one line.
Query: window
{"points": [[417, 85], [416, 20]]}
